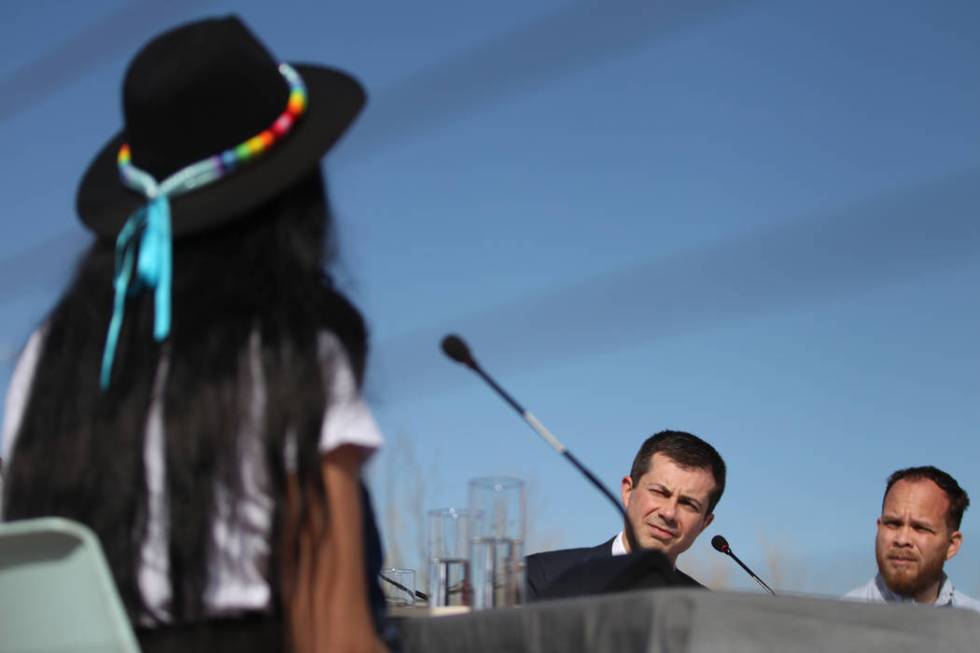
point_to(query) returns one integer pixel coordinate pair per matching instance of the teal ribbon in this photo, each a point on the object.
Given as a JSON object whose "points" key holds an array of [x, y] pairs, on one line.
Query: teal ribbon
{"points": [[145, 236]]}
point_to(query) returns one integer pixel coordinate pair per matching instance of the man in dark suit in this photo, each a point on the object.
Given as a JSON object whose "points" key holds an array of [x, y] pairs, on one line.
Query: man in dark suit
{"points": [[670, 494]]}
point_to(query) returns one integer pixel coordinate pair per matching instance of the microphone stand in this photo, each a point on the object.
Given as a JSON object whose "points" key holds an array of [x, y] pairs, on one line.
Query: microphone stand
{"points": [[721, 544], [457, 349]]}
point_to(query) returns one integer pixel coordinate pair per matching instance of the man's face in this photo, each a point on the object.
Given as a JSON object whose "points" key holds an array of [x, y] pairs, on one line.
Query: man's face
{"points": [[668, 507], [914, 540]]}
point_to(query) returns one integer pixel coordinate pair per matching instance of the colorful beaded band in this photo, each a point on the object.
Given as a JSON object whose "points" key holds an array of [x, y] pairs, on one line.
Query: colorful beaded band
{"points": [[218, 165]]}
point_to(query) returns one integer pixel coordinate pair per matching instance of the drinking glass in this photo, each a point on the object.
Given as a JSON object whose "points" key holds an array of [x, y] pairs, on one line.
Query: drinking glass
{"points": [[497, 504], [399, 586], [449, 568]]}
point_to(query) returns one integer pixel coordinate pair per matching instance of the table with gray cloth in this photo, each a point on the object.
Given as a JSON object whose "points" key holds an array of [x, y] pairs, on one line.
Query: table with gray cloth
{"points": [[678, 620]]}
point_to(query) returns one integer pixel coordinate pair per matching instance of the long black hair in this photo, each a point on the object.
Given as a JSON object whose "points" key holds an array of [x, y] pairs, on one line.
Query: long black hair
{"points": [[79, 450]]}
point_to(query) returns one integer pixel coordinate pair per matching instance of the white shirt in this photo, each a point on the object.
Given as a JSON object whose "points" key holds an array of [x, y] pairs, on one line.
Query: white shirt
{"points": [[236, 581], [619, 544], [876, 591]]}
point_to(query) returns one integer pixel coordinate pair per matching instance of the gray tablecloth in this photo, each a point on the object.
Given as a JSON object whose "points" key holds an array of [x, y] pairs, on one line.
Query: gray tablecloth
{"points": [[675, 621]]}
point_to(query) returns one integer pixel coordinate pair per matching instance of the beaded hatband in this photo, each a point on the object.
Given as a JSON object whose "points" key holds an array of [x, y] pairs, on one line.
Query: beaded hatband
{"points": [[218, 165], [149, 227]]}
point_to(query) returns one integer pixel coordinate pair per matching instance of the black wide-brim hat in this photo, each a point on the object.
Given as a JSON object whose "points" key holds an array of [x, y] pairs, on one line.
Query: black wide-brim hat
{"points": [[196, 91]]}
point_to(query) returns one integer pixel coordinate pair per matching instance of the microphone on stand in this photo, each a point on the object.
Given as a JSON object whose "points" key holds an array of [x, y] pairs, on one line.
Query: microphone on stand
{"points": [[457, 349], [721, 544]]}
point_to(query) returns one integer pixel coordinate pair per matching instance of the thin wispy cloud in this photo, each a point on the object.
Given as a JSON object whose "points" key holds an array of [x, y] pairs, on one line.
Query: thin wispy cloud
{"points": [[119, 31], [887, 239]]}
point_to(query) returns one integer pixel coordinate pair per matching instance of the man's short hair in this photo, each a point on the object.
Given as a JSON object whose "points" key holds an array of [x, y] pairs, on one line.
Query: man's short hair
{"points": [[687, 450], [958, 501]]}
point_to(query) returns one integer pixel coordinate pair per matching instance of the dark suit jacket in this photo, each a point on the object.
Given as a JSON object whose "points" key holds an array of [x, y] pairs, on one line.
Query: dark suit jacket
{"points": [[576, 572]]}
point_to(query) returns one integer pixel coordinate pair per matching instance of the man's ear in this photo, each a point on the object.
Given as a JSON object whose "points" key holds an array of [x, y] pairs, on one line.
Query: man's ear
{"points": [[955, 540], [625, 489], [710, 517]]}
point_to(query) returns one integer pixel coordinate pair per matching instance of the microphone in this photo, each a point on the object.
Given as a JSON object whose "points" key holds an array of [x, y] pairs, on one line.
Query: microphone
{"points": [[457, 349], [721, 544]]}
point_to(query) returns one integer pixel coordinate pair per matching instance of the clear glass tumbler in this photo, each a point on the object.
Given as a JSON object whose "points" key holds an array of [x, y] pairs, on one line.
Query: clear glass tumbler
{"points": [[498, 507], [449, 567]]}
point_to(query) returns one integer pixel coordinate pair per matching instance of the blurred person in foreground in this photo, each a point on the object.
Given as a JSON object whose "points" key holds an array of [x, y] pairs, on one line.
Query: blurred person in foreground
{"points": [[670, 494], [194, 396], [918, 531]]}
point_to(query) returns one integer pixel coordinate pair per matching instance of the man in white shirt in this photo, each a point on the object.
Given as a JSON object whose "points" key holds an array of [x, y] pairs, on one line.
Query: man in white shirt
{"points": [[918, 531]]}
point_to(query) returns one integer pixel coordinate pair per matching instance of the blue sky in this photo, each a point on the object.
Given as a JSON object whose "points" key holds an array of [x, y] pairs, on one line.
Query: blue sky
{"points": [[756, 221]]}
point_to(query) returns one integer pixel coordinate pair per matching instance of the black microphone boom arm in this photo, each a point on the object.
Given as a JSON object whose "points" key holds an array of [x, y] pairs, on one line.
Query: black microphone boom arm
{"points": [[721, 545], [457, 350]]}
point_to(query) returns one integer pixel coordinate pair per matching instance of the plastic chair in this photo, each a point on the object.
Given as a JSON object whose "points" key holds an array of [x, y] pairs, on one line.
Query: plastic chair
{"points": [[56, 591]]}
